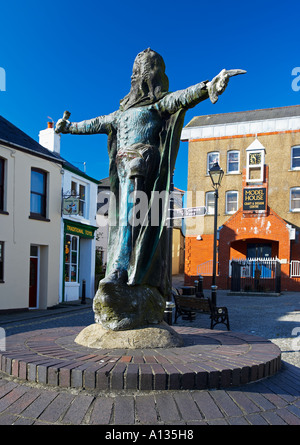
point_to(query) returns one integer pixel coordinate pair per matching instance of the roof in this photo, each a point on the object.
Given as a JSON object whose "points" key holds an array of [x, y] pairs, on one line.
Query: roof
{"points": [[245, 116], [77, 171], [104, 183], [13, 136]]}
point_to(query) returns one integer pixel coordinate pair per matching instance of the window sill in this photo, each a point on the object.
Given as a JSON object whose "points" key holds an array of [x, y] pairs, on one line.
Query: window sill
{"points": [[38, 217], [3, 212]]}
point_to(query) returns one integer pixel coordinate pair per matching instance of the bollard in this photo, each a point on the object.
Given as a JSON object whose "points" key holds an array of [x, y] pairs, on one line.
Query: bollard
{"points": [[199, 291], [83, 293], [168, 312]]}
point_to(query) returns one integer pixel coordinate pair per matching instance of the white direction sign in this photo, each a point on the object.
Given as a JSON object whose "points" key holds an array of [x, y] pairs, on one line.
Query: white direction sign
{"points": [[189, 212]]}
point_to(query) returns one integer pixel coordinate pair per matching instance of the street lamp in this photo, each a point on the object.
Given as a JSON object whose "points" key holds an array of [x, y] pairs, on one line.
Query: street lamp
{"points": [[216, 174]]}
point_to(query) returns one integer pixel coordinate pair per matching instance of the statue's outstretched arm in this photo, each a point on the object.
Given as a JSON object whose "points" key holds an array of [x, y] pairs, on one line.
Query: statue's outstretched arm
{"points": [[101, 124], [191, 96]]}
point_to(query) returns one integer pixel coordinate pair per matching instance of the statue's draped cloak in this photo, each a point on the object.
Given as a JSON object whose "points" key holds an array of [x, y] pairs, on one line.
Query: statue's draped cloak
{"points": [[149, 263]]}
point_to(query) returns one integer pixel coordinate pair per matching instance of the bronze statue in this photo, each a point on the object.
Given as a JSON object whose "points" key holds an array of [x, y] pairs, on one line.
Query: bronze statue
{"points": [[143, 141]]}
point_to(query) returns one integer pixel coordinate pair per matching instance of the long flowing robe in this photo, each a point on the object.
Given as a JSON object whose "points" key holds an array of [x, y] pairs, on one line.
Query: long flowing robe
{"points": [[149, 258]]}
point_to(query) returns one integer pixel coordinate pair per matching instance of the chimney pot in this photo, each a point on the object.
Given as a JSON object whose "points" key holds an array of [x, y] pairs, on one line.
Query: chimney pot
{"points": [[50, 124]]}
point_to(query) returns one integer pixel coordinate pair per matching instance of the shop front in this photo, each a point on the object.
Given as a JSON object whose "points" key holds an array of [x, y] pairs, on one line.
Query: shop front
{"points": [[79, 260]]}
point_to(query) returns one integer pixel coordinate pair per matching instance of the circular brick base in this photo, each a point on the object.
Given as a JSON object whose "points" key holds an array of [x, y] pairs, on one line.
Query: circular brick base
{"points": [[208, 359]]}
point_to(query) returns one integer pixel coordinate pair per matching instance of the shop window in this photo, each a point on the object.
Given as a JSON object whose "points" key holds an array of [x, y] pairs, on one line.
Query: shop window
{"points": [[231, 201], [71, 258], [210, 203], [295, 199], [2, 184], [38, 193], [295, 159], [1, 261], [233, 162], [212, 158]]}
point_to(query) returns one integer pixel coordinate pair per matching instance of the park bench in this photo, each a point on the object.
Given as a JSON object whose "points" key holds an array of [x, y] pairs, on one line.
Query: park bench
{"points": [[187, 305]]}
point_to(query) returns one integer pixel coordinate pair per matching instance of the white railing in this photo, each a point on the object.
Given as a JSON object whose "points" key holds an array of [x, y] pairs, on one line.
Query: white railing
{"points": [[206, 268], [295, 268], [247, 265]]}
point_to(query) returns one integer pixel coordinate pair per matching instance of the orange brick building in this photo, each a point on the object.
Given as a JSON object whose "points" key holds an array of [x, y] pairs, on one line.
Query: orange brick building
{"points": [[259, 197]]}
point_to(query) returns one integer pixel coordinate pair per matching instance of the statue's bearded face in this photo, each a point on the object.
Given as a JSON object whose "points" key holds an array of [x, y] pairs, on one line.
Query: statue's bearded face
{"points": [[148, 81], [149, 66]]}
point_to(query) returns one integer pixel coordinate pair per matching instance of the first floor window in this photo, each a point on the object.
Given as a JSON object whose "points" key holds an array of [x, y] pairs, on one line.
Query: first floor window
{"points": [[1, 261], [295, 199], [231, 201], [233, 162], [295, 161], [71, 258], [2, 165], [79, 190], [38, 193], [212, 158], [210, 203]]}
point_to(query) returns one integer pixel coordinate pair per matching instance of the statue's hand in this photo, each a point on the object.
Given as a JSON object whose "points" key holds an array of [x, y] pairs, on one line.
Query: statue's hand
{"points": [[219, 83], [63, 125]]}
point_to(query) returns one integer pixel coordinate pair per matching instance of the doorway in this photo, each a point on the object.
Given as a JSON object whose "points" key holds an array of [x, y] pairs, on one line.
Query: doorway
{"points": [[34, 277], [259, 250]]}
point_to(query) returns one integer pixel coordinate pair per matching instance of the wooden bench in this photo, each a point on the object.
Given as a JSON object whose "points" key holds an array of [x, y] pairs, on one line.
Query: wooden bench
{"points": [[185, 305]]}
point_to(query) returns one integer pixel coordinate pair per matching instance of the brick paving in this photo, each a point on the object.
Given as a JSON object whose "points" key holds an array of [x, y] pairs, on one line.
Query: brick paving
{"points": [[266, 402], [208, 359], [158, 386]]}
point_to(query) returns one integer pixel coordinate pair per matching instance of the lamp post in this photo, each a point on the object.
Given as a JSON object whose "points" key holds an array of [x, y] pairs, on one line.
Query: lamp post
{"points": [[216, 175]]}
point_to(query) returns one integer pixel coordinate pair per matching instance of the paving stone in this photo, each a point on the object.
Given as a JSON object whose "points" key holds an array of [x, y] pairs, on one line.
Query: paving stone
{"points": [[124, 410], [35, 409], [77, 410], [57, 407], [101, 411], [146, 409], [166, 406], [225, 402], [187, 406], [207, 405]]}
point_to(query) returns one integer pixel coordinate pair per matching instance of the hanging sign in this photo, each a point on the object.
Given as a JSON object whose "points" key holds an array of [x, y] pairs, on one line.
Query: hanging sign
{"points": [[70, 206]]}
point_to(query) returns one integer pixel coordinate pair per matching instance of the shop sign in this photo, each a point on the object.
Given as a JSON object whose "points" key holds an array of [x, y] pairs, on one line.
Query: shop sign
{"points": [[80, 231], [254, 199]]}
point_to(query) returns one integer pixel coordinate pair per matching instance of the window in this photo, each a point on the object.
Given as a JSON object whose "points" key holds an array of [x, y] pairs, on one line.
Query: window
{"points": [[212, 158], [233, 161], [210, 203], [38, 193], [2, 166], [1, 261], [231, 201], [295, 161], [295, 199], [71, 258], [79, 191]]}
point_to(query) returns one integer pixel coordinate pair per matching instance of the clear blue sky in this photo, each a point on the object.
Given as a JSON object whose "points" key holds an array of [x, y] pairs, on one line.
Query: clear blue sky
{"points": [[78, 56]]}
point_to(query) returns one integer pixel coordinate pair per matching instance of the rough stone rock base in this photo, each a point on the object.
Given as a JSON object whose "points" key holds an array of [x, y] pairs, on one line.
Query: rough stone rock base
{"points": [[155, 336]]}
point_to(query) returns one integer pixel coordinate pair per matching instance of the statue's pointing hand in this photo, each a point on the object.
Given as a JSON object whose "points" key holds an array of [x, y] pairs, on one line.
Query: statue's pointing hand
{"points": [[63, 125], [219, 83]]}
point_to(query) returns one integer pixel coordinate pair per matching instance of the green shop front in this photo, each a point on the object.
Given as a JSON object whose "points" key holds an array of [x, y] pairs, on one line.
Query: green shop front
{"points": [[79, 260]]}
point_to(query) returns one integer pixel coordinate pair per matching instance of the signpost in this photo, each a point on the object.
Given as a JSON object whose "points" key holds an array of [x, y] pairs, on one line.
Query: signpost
{"points": [[189, 212]]}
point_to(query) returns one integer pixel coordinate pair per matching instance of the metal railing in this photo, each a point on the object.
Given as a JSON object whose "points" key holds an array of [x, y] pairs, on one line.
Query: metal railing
{"points": [[295, 268]]}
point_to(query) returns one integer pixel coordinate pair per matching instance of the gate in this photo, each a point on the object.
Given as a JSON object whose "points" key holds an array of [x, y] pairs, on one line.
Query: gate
{"points": [[256, 275]]}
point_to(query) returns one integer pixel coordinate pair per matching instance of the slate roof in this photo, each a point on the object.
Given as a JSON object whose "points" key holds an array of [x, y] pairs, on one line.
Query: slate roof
{"points": [[12, 135], [245, 116]]}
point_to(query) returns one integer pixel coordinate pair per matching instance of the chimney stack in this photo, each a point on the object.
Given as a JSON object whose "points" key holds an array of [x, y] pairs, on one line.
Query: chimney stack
{"points": [[49, 139]]}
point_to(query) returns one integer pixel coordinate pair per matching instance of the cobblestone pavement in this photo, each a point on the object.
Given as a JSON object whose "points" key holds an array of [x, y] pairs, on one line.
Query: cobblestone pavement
{"points": [[271, 401]]}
